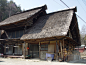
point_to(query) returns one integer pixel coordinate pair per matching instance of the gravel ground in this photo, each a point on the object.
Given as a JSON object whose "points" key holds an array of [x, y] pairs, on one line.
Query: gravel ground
{"points": [[8, 61]]}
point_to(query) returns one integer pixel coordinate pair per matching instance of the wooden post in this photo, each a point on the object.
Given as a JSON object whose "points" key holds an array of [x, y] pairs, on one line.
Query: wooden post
{"points": [[17, 48], [61, 50], [63, 43], [39, 49], [5, 49], [56, 51], [24, 50], [29, 50]]}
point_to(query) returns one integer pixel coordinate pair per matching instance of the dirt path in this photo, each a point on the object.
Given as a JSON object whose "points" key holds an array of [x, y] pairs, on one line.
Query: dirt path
{"points": [[7, 61]]}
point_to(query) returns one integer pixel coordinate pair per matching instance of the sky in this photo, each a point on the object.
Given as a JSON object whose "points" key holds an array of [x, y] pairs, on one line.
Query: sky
{"points": [[56, 5]]}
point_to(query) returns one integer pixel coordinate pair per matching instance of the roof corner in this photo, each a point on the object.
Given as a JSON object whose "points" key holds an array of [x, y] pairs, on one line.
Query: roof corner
{"points": [[44, 7], [75, 9]]}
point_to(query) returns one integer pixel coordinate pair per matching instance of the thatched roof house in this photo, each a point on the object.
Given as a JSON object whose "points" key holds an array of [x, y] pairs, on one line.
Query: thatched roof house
{"points": [[50, 26], [55, 32], [54, 25]]}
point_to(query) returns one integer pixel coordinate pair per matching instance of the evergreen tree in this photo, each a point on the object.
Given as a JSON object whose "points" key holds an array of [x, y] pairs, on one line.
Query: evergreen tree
{"points": [[8, 8], [3, 6]]}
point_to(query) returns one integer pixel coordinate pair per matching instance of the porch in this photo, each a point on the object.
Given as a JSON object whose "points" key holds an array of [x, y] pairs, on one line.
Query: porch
{"points": [[62, 49]]}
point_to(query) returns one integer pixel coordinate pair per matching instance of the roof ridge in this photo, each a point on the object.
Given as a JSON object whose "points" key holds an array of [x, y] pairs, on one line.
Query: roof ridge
{"points": [[43, 7], [73, 8]]}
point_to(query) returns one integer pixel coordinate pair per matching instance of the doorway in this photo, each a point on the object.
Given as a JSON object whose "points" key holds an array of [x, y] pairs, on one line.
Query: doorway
{"points": [[34, 50]]}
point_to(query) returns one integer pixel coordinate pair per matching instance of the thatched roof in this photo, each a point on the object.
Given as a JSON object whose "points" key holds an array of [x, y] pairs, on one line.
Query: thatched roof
{"points": [[51, 25], [19, 18]]}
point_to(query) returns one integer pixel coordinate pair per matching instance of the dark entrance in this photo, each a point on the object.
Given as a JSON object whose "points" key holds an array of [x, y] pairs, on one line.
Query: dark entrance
{"points": [[1, 49], [34, 50]]}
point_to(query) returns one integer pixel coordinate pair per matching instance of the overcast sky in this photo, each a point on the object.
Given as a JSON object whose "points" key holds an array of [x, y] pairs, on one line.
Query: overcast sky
{"points": [[56, 5]]}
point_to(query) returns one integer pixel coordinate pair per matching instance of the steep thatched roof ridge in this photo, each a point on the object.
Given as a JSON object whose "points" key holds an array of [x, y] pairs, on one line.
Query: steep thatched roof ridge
{"points": [[22, 16], [50, 25]]}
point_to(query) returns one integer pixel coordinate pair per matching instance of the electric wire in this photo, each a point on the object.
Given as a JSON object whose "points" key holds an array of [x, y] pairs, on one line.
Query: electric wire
{"points": [[64, 4], [84, 2], [76, 14], [81, 6], [57, 3]]}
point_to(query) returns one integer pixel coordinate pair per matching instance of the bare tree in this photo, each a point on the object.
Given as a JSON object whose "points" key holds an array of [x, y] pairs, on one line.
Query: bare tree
{"points": [[83, 35]]}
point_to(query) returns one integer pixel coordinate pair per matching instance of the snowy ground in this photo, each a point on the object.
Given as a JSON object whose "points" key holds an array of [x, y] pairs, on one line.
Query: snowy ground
{"points": [[8, 61]]}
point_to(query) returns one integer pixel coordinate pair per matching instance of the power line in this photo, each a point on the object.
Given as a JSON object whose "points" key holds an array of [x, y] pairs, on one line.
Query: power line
{"points": [[58, 3], [64, 3], [81, 6], [69, 8], [76, 14], [81, 18], [84, 2]]}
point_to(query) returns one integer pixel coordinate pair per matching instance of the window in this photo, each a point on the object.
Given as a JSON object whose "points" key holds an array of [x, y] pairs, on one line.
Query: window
{"points": [[18, 49], [9, 50], [21, 33], [15, 34], [44, 47]]}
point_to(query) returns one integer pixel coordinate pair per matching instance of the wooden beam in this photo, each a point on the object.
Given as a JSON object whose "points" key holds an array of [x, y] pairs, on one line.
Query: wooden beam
{"points": [[42, 40], [61, 50], [56, 51], [39, 49], [5, 49], [24, 50], [63, 43]]}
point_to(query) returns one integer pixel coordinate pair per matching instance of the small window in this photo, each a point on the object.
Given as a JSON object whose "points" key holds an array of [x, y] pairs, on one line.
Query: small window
{"points": [[17, 34], [21, 33], [13, 34], [44, 47]]}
